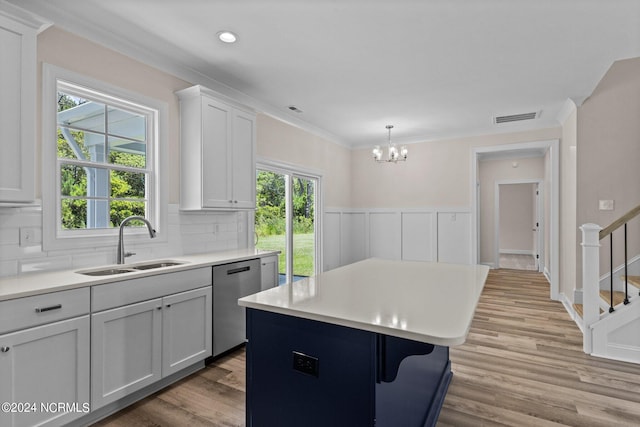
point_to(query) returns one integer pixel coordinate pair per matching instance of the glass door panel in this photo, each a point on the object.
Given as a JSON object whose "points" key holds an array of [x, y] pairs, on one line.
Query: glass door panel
{"points": [[285, 221], [270, 217], [303, 199]]}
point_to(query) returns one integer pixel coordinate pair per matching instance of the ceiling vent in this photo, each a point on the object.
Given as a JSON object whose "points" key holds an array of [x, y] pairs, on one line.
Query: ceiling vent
{"points": [[516, 117]]}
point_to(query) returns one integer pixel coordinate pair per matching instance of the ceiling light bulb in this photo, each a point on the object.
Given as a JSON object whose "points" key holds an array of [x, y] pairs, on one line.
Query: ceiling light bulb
{"points": [[227, 37]]}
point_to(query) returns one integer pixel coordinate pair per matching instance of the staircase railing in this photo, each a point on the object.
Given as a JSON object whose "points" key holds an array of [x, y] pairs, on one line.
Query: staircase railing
{"points": [[592, 234]]}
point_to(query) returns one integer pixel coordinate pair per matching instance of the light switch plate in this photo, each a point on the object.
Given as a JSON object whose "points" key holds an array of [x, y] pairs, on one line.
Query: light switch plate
{"points": [[605, 205], [29, 236]]}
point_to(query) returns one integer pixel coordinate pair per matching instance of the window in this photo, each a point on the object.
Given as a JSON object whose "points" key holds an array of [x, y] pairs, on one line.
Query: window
{"points": [[102, 150], [101, 144]]}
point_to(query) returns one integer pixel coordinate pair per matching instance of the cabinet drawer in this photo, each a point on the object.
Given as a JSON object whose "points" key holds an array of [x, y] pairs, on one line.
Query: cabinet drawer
{"points": [[21, 313], [117, 294]]}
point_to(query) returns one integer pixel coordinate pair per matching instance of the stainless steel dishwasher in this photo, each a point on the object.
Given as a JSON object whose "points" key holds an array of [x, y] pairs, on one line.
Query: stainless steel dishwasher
{"points": [[230, 282]]}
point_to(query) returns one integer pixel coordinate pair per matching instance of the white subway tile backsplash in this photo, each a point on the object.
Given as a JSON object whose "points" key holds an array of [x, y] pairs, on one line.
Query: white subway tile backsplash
{"points": [[46, 263], [8, 268], [188, 233], [9, 236]]}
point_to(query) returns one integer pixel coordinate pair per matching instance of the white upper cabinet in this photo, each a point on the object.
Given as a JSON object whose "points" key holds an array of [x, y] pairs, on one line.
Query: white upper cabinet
{"points": [[17, 107], [217, 152]]}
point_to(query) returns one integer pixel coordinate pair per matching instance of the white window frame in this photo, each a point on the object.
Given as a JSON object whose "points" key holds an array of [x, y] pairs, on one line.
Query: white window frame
{"points": [[53, 236]]}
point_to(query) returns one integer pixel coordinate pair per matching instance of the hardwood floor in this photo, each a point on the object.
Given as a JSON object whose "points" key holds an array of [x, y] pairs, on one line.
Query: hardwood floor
{"points": [[522, 365]]}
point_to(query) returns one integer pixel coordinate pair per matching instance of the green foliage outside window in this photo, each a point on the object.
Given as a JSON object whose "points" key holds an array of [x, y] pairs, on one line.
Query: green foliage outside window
{"points": [[271, 204], [73, 179]]}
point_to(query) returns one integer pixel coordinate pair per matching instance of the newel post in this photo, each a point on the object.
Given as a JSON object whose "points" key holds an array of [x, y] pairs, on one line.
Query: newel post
{"points": [[590, 280]]}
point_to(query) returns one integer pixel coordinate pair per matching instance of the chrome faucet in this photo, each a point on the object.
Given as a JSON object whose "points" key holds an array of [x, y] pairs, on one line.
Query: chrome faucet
{"points": [[121, 255]]}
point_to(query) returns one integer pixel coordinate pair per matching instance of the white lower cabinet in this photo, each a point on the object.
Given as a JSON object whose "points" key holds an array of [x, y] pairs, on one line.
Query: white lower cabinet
{"points": [[44, 374], [269, 274], [138, 344], [186, 329], [125, 350]]}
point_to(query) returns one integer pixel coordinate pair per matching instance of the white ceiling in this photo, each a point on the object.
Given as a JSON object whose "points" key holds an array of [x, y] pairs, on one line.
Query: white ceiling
{"points": [[433, 68]]}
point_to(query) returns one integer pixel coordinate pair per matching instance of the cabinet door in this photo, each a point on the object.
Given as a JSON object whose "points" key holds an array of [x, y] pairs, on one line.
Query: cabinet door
{"points": [[186, 329], [244, 167], [269, 272], [216, 166], [46, 366], [17, 111], [125, 350]]}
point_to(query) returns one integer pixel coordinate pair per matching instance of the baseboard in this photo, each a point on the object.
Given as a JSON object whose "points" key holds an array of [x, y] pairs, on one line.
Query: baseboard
{"points": [[491, 265], [516, 252], [568, 306], [547, 275]]}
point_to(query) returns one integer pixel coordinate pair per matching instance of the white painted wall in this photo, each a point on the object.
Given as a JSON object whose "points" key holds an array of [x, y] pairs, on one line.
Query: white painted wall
{"points": [[517, 218], [608, 156], [437, 173], [569, 245], [490, 172]]}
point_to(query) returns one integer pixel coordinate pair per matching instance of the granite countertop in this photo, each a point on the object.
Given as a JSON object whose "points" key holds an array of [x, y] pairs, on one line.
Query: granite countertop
{"points": [[422, 301], [52, 281]]}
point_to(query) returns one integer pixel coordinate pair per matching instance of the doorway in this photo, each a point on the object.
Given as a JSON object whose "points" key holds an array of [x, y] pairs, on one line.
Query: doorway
{"points": [[286, 220], [519, 225], [550, 149]]}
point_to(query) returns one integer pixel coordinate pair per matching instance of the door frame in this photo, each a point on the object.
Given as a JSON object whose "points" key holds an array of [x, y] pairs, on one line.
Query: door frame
{"points": [[550, 147], [290, 170], [539, 218]]}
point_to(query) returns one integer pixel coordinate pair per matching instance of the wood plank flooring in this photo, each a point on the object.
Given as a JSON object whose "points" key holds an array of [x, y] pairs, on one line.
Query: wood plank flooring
{"points": [[522, 365]]}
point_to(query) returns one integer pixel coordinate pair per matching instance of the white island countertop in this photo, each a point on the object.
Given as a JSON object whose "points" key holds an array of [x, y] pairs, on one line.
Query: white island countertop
{"points": [[421, 301]]}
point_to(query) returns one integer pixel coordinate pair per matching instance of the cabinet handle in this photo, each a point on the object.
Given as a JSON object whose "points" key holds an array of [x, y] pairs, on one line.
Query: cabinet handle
{"points": [[51, 307], [238, 270], [5, 349], [235, 201], [168, 305], [159, 307]]}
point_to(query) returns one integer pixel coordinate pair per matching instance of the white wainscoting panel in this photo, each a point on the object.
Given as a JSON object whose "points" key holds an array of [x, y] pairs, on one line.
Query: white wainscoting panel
{"points": [[385, 235], [454, 237], [353, 238], [418, 236], [331, 242], [413, 234]]}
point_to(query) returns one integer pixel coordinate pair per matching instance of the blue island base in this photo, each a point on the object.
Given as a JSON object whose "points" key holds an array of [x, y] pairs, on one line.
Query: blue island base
{"points": [[302, 372]]}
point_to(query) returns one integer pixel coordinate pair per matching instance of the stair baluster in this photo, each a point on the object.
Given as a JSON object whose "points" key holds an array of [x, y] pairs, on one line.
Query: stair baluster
{"points": [[626, 273], [611, 309]]}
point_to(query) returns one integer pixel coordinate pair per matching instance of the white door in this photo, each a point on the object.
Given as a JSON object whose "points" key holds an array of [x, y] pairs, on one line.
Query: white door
{"points": [[125, 350], [186, 329], [45, 365]]}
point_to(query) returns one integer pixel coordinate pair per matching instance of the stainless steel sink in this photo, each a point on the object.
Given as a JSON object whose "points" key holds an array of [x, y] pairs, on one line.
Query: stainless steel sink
{"points": [[153, 265], [108, 271]]}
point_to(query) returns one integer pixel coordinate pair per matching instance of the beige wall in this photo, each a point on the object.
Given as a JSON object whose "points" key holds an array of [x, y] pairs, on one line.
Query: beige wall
{"points": [[436, 174], [491, 171], [517, 217], [73, 53], [569, 246], [608, 158], [281, 142]]}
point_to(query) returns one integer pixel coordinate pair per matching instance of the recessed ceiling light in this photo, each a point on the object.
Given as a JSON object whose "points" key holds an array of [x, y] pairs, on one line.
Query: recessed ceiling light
{"points": [[227, 37]]}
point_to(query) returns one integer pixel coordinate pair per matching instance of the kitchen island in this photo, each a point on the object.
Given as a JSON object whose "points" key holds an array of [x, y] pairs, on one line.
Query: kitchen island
{"points": [[362, 345]]}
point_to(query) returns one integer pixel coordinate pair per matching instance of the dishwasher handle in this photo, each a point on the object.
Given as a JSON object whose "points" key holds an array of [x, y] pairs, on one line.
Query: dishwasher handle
{"points": [[238, 270]]}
